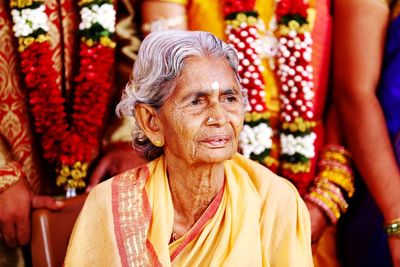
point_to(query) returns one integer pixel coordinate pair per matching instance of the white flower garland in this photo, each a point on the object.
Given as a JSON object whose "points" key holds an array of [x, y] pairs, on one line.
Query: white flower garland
{"points": [[267, 45], [29, 20], [303, 145], [290, 74], [255, 139], [104, 15], [288, 49], [297, 86]]}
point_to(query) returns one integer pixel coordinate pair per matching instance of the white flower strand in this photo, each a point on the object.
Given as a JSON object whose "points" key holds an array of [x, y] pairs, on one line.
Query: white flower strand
{"points": [[255, 139], [104, 15], [303, 145], [28, 20]]}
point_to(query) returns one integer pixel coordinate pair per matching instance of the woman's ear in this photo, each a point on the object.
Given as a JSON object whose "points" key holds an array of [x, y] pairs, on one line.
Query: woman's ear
{"points": [[149, 122]]}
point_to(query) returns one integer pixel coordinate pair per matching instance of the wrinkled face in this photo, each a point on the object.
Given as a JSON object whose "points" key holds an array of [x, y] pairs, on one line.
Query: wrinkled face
{"points": [[202, 119]]}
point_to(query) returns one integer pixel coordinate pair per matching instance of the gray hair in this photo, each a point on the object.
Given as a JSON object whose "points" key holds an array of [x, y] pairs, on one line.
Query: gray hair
{"points": [[161, 59]]}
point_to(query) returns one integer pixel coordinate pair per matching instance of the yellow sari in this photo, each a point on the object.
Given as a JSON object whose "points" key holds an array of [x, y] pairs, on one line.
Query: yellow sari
{"points": [[257, 219]]}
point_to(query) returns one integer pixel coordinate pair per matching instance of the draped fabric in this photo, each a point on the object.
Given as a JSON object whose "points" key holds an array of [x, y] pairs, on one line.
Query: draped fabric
{"points": [[397, 148], [19, 157], [389, 88], [256, 219], [15, 126], [15, 135]]}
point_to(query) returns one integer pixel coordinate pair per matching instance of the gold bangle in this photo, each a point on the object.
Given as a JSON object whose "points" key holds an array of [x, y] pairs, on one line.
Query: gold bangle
{"points": [[330, 208], [336, 156], [327, 194], [393, 228], [343, 181]]}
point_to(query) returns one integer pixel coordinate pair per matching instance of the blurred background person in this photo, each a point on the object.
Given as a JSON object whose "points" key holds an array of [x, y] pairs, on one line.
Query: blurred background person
{"points": [[367, 95], [49, 57]]}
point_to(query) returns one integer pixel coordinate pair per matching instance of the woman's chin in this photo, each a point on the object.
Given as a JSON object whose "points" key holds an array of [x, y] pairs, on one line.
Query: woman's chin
{"points": [[218, 155]]}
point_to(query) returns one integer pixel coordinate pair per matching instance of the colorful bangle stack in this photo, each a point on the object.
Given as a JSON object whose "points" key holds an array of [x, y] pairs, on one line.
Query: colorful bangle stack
{"points": [[392, 228], [334, 182]]}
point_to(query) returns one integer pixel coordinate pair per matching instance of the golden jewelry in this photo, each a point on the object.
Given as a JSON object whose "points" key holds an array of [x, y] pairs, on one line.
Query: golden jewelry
{"points": [[157, 143], [393, 227]]}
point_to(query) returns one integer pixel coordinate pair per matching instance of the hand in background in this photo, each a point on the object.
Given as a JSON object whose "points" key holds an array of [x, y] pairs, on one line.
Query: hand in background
{"points": [[319, 222], [116, 159], [15, 208]]}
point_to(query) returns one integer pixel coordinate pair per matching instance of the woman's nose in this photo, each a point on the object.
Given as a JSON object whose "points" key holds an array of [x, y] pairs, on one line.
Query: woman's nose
{"points": [[216, 114]]}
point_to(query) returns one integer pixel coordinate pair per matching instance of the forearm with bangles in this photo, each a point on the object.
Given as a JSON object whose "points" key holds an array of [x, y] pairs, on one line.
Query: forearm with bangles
{"points": [[334, 183]]}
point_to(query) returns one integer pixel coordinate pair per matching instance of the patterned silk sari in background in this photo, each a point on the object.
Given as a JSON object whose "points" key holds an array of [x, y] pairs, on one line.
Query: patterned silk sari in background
{"points": [[63, 37], [256, 219], [19, 157]]}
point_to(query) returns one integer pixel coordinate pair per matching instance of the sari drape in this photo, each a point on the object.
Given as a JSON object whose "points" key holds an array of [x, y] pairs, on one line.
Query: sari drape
{"points": [[256, 219], [389, 87]]}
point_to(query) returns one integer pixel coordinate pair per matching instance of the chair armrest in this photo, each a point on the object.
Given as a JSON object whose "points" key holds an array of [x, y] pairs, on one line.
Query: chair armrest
{"points": [[51, 231]]}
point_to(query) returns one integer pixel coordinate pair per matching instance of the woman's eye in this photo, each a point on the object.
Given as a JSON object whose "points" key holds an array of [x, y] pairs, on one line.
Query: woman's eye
{"points": [[196, 102], [231, 99]]}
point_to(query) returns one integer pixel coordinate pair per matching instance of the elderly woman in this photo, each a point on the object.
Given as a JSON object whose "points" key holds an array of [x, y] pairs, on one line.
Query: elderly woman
{"points": [[198, 202]]}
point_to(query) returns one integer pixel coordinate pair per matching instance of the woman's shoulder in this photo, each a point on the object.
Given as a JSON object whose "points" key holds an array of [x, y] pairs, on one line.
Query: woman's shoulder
{"points": [[131, 177], [266, 182]]}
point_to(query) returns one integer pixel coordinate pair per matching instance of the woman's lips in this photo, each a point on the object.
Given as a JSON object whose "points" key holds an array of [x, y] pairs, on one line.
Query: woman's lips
{"points": [[216, 141]]}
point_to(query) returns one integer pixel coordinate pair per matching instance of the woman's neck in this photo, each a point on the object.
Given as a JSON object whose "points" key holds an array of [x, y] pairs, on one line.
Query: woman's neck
{"points": [[192, 190]]}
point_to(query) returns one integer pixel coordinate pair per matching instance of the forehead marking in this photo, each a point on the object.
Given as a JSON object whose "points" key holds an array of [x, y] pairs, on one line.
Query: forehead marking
{"points": [[215, 86]]}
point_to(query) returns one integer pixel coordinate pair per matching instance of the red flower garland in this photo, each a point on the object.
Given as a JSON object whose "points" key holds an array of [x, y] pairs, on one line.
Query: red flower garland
{"points": [[233, 6], [64, 143], [290, 7], [70, 145]]}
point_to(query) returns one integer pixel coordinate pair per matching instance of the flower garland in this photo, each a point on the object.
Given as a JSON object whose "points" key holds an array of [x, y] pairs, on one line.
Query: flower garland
{"points": [[71, 145], [296, 91], [243, 28], [290, 54]]}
